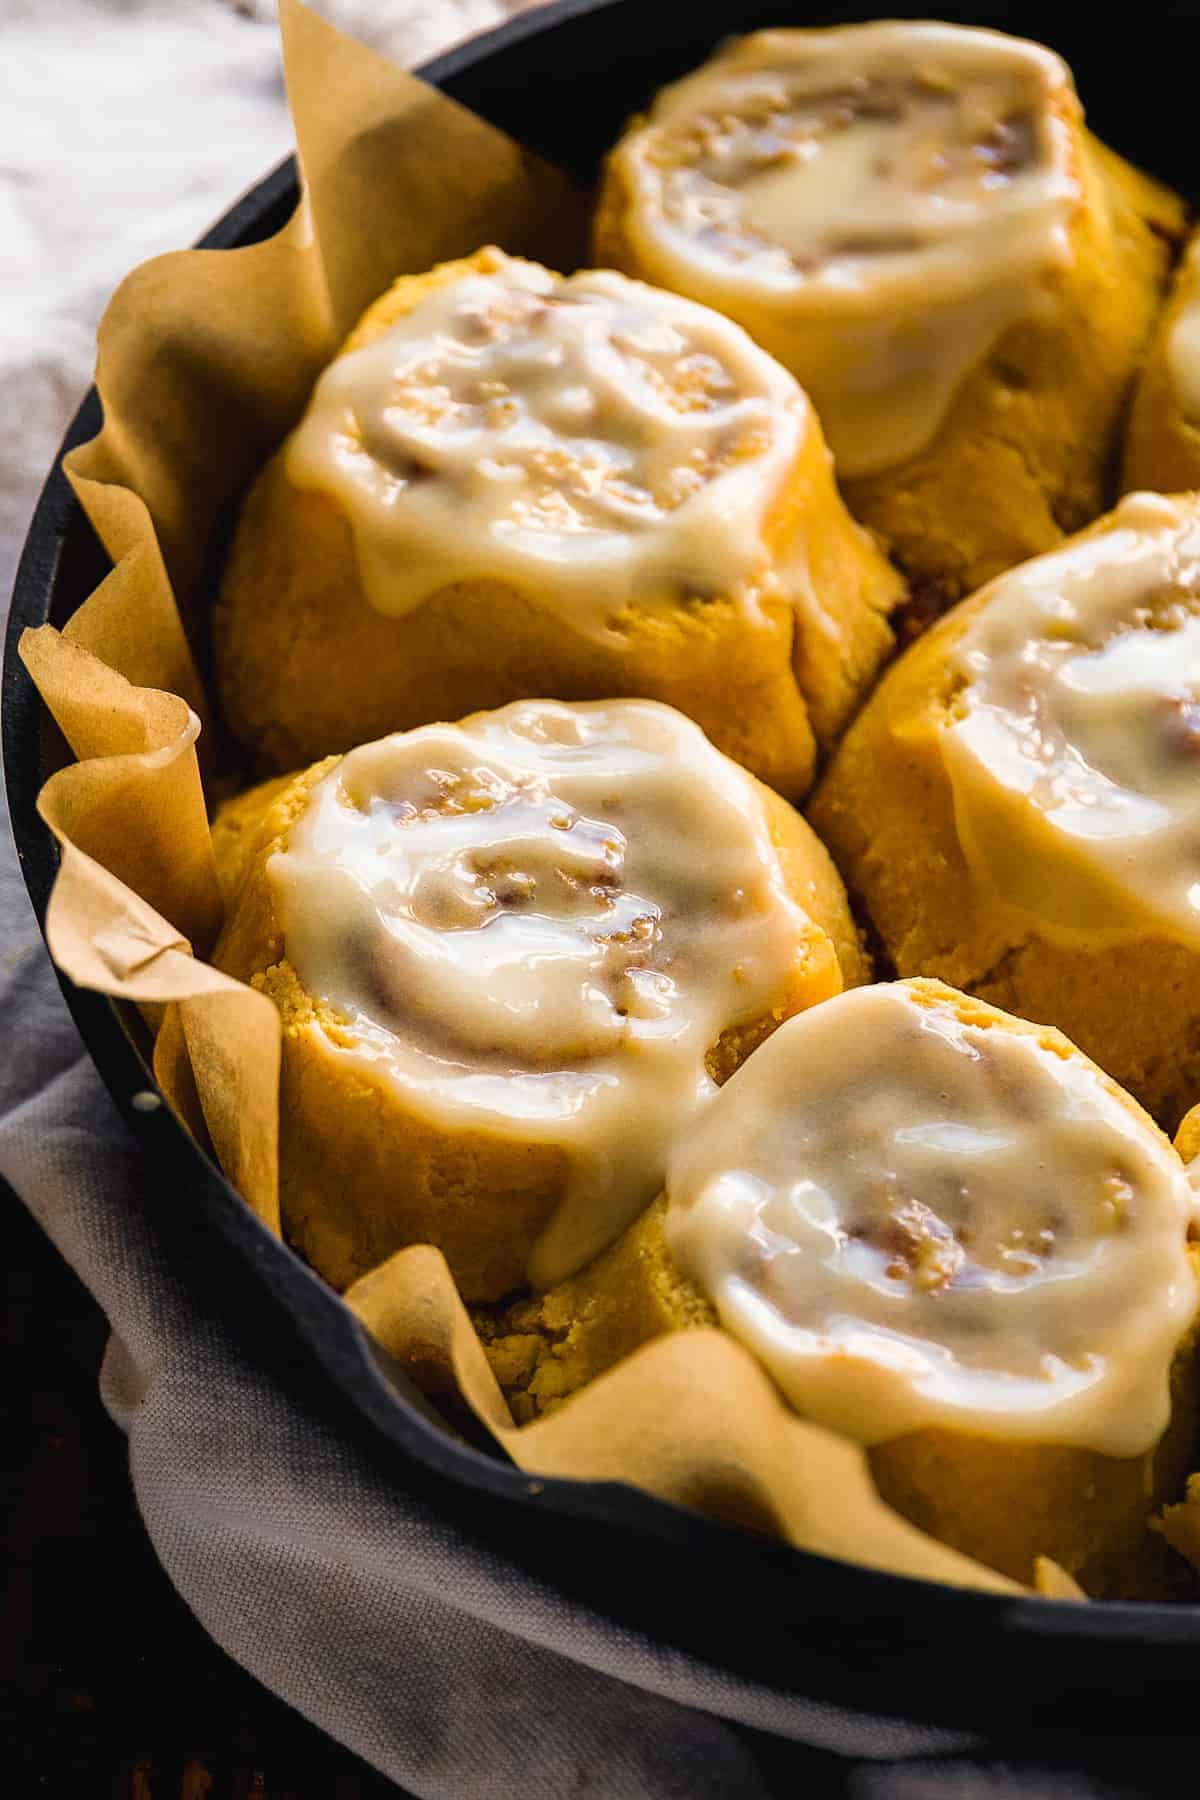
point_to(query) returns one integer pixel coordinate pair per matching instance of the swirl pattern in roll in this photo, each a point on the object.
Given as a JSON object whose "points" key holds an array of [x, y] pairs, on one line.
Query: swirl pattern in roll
{"points": [[913, 219], [514, 958], [1038, 837], [512, 483], [948, 1236]]}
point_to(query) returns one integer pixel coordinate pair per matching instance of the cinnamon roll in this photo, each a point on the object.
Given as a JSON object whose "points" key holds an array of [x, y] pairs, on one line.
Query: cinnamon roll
{"points": [[1038, 836], [946, 1234], [913, 219], [512, 483], [514, 958]]}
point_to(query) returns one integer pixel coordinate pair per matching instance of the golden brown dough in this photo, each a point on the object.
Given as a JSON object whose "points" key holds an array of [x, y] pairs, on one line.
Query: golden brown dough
{"points": [[544, 1348], [307, 666], [1180, 1524]]}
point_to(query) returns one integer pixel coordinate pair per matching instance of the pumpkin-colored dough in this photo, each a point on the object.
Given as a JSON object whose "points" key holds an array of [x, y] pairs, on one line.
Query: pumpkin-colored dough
{"points": [[1162, 446], [1187, 1138], [1025, 456]]}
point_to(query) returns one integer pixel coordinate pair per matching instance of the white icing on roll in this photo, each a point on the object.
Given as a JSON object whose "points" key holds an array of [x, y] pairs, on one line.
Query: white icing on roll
{"points": [[538, 923], [876, 204], [1074, 754], [591, 441], [1183, 340], [915, 1221]]}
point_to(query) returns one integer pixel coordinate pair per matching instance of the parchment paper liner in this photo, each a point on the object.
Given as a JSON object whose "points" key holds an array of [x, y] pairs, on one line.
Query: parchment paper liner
{"points": [[205, 360]]}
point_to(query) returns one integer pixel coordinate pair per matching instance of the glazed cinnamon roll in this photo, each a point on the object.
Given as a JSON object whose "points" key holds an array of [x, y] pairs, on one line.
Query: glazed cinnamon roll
{"points": [[1162, 449], [514, 958], [912, 218], [1038, 837], [511, 483], [946, 1234]]}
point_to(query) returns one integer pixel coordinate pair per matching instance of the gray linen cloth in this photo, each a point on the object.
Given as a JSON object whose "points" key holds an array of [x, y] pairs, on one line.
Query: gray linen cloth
{"points": [[125, 128]]}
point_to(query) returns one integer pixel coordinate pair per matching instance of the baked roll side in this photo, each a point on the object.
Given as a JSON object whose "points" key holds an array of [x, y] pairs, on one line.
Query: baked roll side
{"points": [[1187, 1138]]}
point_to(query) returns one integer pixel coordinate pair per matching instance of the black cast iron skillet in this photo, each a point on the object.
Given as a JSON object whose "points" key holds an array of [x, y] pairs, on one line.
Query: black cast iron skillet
{"points": [[563, 80]]}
